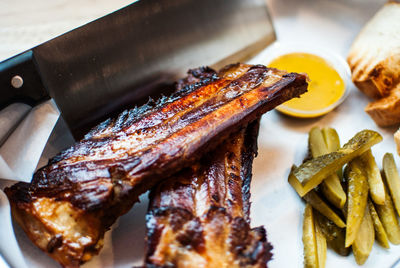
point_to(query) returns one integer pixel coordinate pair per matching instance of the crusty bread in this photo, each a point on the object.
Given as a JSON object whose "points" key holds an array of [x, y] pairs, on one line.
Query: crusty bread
{"points": [[374, 60], [397, 140], [374, 57], [386, 111]]}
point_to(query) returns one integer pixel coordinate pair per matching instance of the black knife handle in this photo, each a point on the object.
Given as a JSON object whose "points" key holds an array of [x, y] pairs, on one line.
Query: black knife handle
{"points": [[20, 81]]}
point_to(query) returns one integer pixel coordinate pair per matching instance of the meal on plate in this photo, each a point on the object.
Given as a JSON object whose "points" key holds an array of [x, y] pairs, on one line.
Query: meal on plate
{"points": [[200, 216], [374, 59], [346, 210], [74, 200]]}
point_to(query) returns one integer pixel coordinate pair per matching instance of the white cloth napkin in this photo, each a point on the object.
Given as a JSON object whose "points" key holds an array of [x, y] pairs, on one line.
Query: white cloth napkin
{"points": [[24, 133]]}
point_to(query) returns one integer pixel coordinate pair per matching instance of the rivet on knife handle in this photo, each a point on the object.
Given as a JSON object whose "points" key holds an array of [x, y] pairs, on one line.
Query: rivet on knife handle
{"points": [[20, 81]]}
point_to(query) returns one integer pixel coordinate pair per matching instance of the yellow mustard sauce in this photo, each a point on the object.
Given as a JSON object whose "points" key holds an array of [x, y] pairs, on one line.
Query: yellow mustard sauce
{"points": [[325, 88]]}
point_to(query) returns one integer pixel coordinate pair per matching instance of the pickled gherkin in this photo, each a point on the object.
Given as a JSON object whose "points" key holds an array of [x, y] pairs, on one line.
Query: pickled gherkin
{"points": [[331, 186], [333, 191], [357, 196], [332, 141], [380, 232], [374, 177], [365, 238], [309, 239], [388, 217], [316, 142], [313, 172], [335, 236], [360, 195], [321, 245], [392, 179], [316, 202], [295, 183]]}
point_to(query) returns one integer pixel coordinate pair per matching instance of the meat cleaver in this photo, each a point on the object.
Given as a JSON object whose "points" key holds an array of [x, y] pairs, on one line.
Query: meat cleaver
{"points": [[119, 60]]}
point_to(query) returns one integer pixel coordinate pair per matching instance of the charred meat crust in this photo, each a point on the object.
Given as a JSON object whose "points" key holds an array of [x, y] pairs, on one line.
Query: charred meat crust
{"points": [[250, 142], [200, 216], [101, 177]]}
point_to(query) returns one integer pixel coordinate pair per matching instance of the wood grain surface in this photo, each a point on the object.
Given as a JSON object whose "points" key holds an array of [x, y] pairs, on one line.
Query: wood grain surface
{"points": [[26, 23]]}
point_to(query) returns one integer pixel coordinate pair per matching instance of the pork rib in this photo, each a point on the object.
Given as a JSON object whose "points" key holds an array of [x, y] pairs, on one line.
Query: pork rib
{"points": [[73, 200], [200, 216]]}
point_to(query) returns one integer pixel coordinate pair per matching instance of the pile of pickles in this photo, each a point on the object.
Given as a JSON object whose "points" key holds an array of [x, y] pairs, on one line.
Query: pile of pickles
{"points": [[349, 202]]}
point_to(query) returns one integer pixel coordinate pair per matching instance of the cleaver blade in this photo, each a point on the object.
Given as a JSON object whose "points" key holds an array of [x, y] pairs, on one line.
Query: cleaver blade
{"points": [[120, 60]]}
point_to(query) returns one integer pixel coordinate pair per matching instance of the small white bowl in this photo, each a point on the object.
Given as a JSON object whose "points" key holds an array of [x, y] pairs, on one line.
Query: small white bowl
{"points": [[334, 60]]}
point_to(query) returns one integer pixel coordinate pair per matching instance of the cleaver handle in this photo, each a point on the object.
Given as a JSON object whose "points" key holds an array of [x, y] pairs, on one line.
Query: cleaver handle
{"points": [[20, 81]]}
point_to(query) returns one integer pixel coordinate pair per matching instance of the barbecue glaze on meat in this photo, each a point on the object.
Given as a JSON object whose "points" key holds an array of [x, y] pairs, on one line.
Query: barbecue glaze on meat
{"points": [[72, 201], [200, 216]]}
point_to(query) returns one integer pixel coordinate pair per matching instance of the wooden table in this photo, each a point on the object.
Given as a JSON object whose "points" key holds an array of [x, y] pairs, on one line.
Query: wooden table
{"points": [[26, 23]]}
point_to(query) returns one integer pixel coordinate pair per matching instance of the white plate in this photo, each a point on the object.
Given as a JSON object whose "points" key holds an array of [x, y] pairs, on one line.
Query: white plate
{"points": [[282, 142]]}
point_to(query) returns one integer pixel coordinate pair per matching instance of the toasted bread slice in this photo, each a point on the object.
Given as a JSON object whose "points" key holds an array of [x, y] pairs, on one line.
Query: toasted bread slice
{"points": [[374, 57], [386, 111], [397, 140]]}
